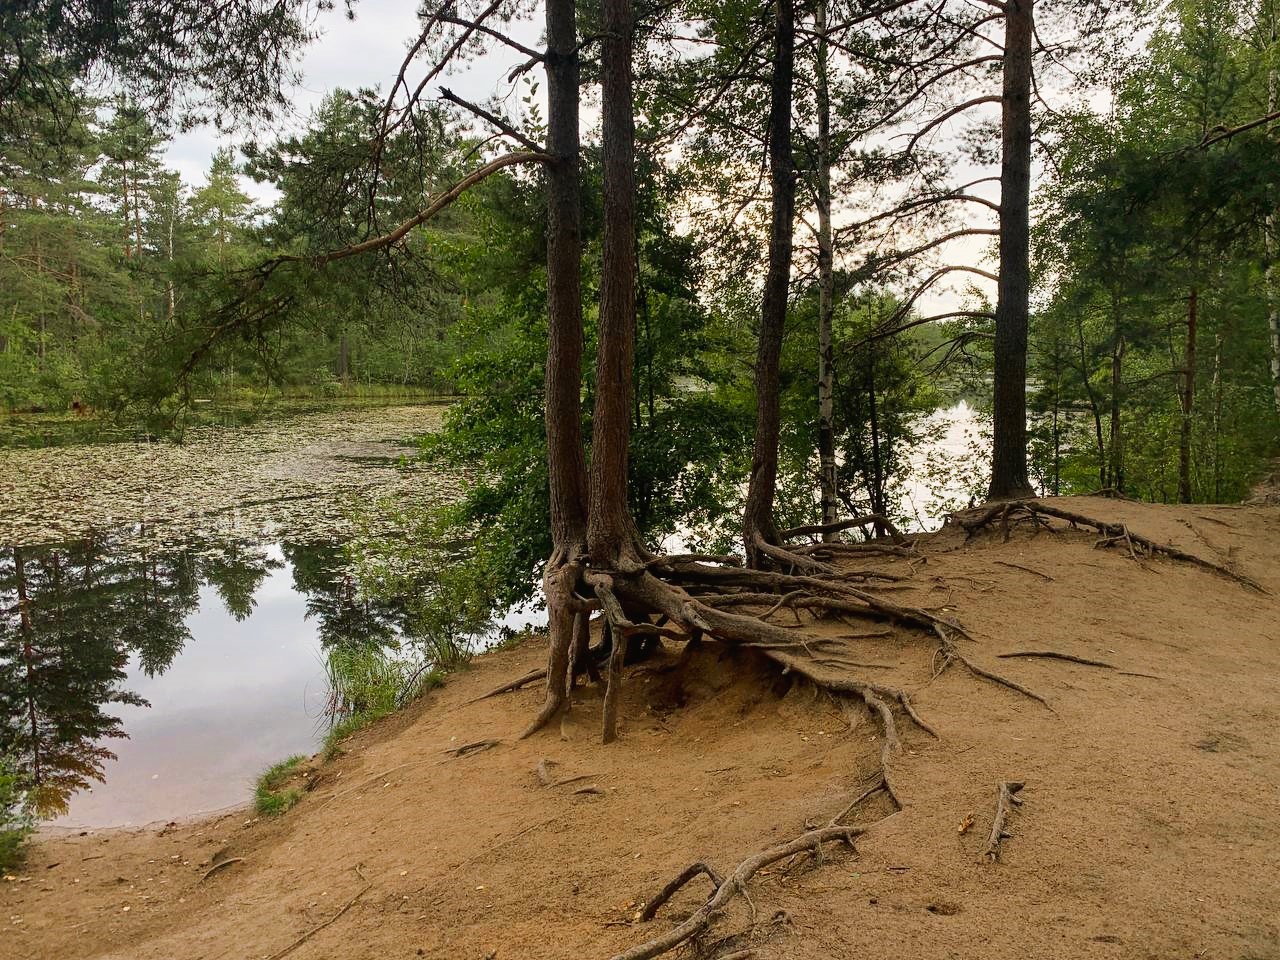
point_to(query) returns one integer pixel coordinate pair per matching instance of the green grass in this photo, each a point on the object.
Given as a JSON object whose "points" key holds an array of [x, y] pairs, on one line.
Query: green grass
{"points": [[272, 797], [368, 685], [365, 685]]}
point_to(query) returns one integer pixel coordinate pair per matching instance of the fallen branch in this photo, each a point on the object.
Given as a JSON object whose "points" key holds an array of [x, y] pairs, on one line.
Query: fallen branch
{"points": [[1006, 799]]}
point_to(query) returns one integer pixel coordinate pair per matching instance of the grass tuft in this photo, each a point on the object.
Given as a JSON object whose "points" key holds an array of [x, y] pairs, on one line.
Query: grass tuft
{"points": [[272, 796], [367, 684]]}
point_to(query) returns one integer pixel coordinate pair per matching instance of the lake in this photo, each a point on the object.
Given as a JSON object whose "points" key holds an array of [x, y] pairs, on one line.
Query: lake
{"points": [[167, 611]]}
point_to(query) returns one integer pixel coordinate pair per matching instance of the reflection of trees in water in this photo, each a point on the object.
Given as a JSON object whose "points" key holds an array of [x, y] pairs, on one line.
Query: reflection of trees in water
{"points": [[345, 616], [72, 615]]}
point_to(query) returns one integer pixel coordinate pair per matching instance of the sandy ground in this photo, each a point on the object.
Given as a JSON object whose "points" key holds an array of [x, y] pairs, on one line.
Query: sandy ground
{"points": [[1150, 827]]}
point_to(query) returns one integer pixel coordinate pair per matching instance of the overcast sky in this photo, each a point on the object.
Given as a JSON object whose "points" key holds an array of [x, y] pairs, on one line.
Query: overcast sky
{"points": [[365, 52], [368, 51]]}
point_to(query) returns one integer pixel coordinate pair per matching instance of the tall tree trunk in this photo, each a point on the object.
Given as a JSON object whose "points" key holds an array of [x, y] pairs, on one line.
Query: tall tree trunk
{"points": [[1009, 448], [170, 297], [566, 461], [826, 281], [758, 522], [344, 355], [1188, 399], [1271, 231], [1217, 417], [877, 458], [611, 532], [36, 771], [1115, 465]]}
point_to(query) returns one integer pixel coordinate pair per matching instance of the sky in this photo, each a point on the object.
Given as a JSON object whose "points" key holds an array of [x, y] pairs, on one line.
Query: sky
{"points": [[368, 51], [365, 52]]}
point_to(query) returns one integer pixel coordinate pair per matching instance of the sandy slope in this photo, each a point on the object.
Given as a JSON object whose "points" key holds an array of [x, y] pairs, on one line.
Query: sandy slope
{"points": [[1151, 823]]}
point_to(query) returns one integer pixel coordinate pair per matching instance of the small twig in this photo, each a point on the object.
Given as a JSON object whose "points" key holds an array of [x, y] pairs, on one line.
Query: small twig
{"points": [[320, 926], [1006, 799], [1018, 566]]}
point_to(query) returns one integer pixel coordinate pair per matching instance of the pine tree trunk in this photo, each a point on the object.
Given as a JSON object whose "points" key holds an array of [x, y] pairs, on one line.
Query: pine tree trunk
{"points": [[1115, 466], [170, 297], [758, 520], [344, 356], [1009, 449], [1188, 400], [566, 461], [1271, 231], [826, 282], [610, 532]]}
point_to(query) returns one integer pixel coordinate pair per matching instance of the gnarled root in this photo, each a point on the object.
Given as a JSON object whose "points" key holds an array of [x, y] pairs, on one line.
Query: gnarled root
{"points": [[1109, 534], [733, 885]]}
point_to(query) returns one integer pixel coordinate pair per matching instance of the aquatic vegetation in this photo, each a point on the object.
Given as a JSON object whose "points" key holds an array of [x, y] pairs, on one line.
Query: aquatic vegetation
{"points": [[301, 478], [367, 683]]}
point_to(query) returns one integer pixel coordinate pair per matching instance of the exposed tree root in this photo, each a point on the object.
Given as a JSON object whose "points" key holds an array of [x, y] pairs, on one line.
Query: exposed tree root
{"points": [[731, 887], [684, 876], [1018, 566], [1110, 534], [1006, 799], [320, 926], [950, 653], [511, 685], [1055, 655], [477, 746], [219, 865]]}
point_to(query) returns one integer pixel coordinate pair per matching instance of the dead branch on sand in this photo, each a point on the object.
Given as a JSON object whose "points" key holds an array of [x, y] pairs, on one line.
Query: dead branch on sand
{"points": [[1006, 799]]}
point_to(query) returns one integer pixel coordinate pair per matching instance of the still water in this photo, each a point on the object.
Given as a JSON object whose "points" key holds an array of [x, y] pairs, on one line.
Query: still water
{"points": [[136, 687], [148, 678]]}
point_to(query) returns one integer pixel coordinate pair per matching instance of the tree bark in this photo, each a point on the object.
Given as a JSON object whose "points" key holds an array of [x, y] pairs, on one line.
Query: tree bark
{"points": [[826, 282], [1271, 230], [566, 461], [1009, 449], [611, 532], [758, 521], [1115, 466], [1188, 400]]}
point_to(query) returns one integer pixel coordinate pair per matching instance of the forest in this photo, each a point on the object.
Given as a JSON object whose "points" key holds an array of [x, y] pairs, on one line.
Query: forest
{"points": [[694, 280]]}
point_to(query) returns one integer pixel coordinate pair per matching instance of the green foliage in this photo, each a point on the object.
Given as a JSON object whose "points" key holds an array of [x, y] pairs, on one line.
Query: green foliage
{"points": [[272, 795], [16, 822], [1142, 221]]}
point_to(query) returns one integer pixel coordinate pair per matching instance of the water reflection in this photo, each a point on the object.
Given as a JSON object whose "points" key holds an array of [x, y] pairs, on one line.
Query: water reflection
{"points": [[136, 686]]}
